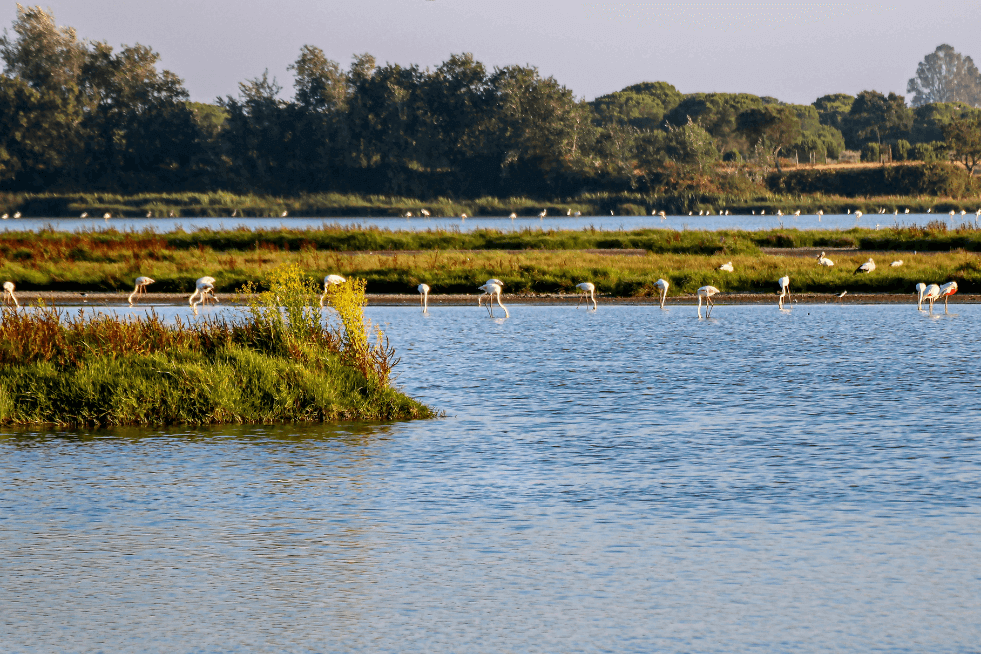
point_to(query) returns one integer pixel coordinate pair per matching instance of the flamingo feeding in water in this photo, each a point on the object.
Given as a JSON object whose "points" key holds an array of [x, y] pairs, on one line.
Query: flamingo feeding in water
{"points": [[8, 295], [423, 296], [203, 287], [492, 290], [931, 294], [586, 289], [946, 291], [141, 284], [920, 290], [330, 280], [489, 282], [784, 283], [662, 285], [706, 292]]}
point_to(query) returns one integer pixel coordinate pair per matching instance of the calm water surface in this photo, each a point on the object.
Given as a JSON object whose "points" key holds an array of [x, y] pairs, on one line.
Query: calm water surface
{"points": [[603, 223], [630, 480]]}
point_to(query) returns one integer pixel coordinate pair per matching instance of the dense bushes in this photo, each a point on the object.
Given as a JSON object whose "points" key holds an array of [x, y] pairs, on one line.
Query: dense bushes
{"points": [[936, 179]]}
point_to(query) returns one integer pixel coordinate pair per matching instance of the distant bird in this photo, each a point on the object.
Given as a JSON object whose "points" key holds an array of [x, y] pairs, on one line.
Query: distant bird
{"points": [[662, 215], [203, 287], [149, 214], [489, 282], [85, 214], [542, 214], [424, 213], [896, 264], [920, 291], [330, 280], [577, 214], [492, 290], [907, 210], [858, 214], [963, 212], [569, 212], [586, 289], [284, 214], [951, 213], [463, 216], [820, 213], [825, 261], [513, 215], [841, 295], [779, 213], [107, 215], [931, 294], [8, 295], [408, 214], [662, 284], [866, 267], [895, 212], [784, 283], [234, 213], [946, 291], [727, 267], [797, 214], [141, 284], [930, 210], [706, 292], [5, 216], [17, 215], [423, 296], [170, 214]]}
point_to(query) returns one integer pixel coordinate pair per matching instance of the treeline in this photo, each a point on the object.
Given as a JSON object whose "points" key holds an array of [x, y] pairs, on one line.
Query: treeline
{"points": [[77, 115]]}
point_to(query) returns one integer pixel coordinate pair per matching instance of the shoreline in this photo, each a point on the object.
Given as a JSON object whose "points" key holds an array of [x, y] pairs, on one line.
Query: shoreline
{"points": [[76, 299]]}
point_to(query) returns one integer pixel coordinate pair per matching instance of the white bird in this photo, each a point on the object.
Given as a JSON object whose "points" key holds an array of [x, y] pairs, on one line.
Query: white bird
{"points": [[858, 214], [5, 216], [907, 210], [706, 292], [951, 213], [820, 213], [203, 287], [284, 214], [170, 214], [463, 216], [424, 213], [896, 264], [779, 213], [17, 215], [841, 295], [234, 213], [149, 214], [569, 212], [577, 214], [797, 214], [866, 267], [141, 284], [726, 267], [330, 280], [946, 291], [825, 261], [542, 214], [489, 282], [931, 294], [84, 214], [423, 296], [662, 215], [585, 289], [408, 214], [513, 215], [784, 283], [920, 290], [8, 294], [930, 210], [963, 212], [662, 284], [492, 290], [107, 215]]}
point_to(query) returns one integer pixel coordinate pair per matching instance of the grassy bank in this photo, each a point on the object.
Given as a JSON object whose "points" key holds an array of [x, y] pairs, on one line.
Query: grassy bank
{"points": [[270, 366], [531, 261]]}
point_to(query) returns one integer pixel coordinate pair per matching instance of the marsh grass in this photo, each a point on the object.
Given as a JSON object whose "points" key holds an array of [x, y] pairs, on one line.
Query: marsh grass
{"points": [[275, 364]]}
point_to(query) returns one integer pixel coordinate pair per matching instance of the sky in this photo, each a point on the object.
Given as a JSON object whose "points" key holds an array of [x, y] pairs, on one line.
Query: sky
{"points": [[795, 50]]}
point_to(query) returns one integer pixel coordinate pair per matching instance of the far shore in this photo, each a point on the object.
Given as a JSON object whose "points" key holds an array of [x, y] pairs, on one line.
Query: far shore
{"points": [[75, 299]]}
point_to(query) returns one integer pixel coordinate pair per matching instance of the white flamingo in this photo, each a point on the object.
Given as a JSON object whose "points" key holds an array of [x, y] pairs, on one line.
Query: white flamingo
{"points": [[784, 283], [931, 294], [423, 296], [493, 281], [284, 214], [858, 214], [820, 213], [513, 215], [866, 267], [587, 289], [542, 214], [825, 261], [84, 214], [330, 280], [424, 213], [8, 295], [727, 267], [492, 290], [17, 215], [706, 292], [141, 284], [203, 287], [662, 285], [946, 291], [920, 291]]}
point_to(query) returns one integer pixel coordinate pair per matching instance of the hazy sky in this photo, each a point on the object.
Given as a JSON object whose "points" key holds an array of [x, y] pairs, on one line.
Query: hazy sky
{"points": [[792, 49]]}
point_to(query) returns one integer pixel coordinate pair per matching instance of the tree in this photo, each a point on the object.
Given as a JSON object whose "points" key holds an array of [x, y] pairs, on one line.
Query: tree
{"points": [[691, 146], [963, 136], [945, 75], [833, 108], [774, 127], [876, 117], [642, 105]]}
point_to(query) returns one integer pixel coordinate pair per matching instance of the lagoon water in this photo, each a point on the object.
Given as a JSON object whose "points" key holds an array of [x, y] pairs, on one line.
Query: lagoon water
{"points": [[629, 480], [601, 223]]}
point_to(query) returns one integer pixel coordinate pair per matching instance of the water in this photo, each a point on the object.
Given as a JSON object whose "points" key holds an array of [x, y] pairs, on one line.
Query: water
{"points": [[603, 223], [629, 480]]}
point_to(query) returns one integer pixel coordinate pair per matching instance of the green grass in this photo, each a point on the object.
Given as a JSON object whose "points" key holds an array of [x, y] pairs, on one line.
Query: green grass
{"points": [[102, 370]]}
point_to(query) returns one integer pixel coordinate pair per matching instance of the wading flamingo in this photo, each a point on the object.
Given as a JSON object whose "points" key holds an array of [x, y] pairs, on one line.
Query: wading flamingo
{"points": [[946, 291], [488, 282], [203, 286], [920, 290], [423, 296], [141, 284], [205, 289], [330, 280], [784, 283], [587, 289], [662, 285], [931, 294], [492, 290], [8, 295], [866, 267], [706, 292]]}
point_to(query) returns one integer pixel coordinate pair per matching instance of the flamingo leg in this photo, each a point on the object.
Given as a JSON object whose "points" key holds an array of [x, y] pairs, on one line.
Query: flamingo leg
{"points": [[945, 305], [581, 295]]}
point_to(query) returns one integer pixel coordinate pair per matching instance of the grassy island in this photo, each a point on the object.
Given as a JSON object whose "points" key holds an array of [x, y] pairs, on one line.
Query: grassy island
{"points": [[274, 363]]}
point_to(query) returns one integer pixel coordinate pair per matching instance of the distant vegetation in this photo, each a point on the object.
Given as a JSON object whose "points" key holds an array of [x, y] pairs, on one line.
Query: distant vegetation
{"points": [[271, 365], [79, 116]]}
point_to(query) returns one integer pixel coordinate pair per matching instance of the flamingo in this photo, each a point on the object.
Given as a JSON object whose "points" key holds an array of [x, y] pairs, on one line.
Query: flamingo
{"points": [[463, 216], [866, 267], [284, 214], [141, 284], [920, 290], [424, 213], [492, 290], [203, 286], [662, 215], [513, 215], [727, 266], [784, 283], [946, 291], [408, 214], [330, 280], [584, 288], [706, 292], [84, 214], [825, 261], [896, 264], [858, 214], [149, 214], [542, 214], [662, 284], [17, 215], [820, 213], [488, 282], [5, 216], [8, 295], [423, 296], [907, 210], [930, 294], [107, 215], [235, 213]]}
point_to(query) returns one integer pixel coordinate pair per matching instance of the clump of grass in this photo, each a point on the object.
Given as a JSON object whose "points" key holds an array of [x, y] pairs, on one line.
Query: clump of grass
{"points": [[275, 364]]}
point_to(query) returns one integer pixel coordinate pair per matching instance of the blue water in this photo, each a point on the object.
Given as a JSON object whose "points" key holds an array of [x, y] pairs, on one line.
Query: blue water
{"points": [[603, 223], [629, 480]]}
